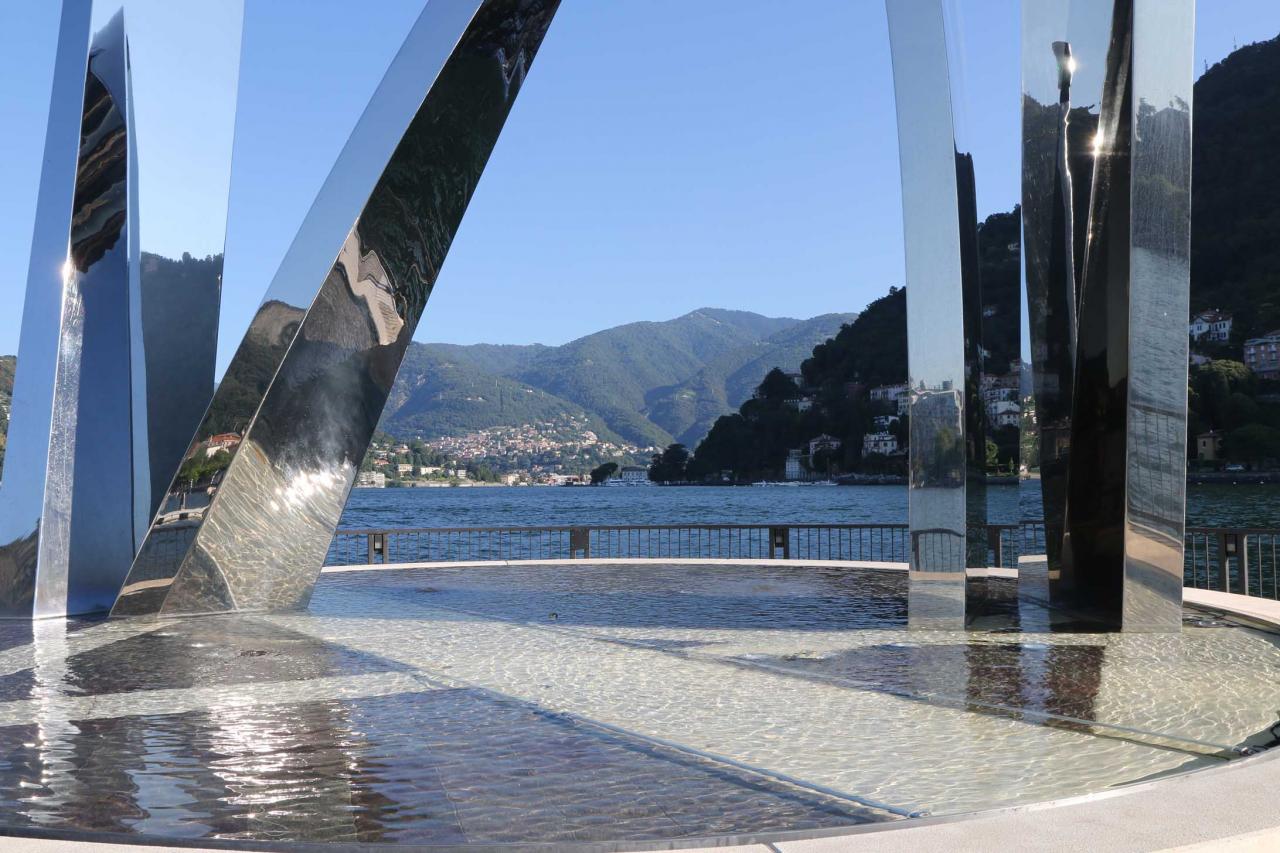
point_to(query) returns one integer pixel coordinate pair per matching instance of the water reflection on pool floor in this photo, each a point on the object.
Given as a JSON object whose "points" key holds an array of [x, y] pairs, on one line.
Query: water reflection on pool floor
{"points": [[597, 702]]}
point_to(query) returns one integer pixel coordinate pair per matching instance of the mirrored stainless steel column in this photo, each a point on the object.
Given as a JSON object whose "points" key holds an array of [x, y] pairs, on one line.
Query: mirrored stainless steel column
{"points": [[1063, 51], [935, 313], [1126, 474], [35, 498], [298, 405], [1159, 303]]}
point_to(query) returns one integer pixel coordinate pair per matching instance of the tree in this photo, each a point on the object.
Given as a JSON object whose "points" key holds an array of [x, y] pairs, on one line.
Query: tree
{"points": [[777, 387], [1253, 443], [670, 465], [601, 473]]}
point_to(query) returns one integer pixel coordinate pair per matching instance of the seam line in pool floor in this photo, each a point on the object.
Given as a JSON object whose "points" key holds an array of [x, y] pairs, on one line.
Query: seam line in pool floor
{"points": [[1220, 751], [437, 680]]}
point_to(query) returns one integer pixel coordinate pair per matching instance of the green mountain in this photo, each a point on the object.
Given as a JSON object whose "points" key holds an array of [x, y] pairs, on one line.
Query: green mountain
{"points": [[645, 383], [1235, 198], [687, 410], [441, 391]]}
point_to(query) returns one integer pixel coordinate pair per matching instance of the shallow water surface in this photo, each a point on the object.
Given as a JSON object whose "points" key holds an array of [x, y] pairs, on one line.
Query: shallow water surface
{"points": [[587, 702]]}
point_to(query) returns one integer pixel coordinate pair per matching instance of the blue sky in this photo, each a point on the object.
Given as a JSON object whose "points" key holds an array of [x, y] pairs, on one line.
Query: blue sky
{"points": [[664, 155]]}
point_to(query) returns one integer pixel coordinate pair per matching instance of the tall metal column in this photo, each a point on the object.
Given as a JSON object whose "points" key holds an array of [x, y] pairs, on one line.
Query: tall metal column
{"points": [[66, 508], [935, 313], [1109, 300], [308, 383]]}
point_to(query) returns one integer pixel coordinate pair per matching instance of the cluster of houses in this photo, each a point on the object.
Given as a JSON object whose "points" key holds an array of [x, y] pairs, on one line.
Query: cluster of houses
{"points": [[795, 467], [1261, 354]]}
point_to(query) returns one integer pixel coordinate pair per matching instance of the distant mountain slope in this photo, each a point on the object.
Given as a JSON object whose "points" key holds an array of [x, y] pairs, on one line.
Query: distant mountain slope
{"points": [[687, 410], [612, 372], [442, 392], [647, 383]]}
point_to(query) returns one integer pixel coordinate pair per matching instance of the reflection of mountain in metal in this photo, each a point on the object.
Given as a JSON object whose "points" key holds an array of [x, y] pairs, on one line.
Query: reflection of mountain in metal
{"points": [[305, 394], [74, 483]]}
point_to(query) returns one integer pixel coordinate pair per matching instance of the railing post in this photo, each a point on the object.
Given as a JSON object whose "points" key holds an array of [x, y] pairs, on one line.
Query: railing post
{"points": [[1223, 567], [995, 541], [579, 540], [780, 537], [1243, 549], [377, 544]]}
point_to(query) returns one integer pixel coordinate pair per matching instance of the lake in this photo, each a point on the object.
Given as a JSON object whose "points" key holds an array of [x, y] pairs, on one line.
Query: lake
{"points": [[1207, 505]]}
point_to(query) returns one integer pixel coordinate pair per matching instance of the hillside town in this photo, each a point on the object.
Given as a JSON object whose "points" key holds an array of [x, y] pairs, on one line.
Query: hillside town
{"points": [[556, 452]]}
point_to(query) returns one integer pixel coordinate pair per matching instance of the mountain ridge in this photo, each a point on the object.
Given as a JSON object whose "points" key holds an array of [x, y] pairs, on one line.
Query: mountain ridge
{"points": [[646, 383]]}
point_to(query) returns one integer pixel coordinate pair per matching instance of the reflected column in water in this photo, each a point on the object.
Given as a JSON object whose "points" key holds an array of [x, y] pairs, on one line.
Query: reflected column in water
{"points": [[935, 313]]}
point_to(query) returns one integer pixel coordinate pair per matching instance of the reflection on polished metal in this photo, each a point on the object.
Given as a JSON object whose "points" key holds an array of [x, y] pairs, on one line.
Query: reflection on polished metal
{"points": [[1057, 166], [72, 479], [180, 277], [1111, 388], [935, 312], [298, 405]]}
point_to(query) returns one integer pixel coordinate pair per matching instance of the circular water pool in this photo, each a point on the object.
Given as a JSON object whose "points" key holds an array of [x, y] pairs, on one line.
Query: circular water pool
{"points": [[619, 703]]}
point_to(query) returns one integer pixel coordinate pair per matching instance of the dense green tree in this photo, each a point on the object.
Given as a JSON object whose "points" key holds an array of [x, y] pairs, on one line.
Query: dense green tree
{"points": [[670, 465], [1254, 444], [601, 473]]}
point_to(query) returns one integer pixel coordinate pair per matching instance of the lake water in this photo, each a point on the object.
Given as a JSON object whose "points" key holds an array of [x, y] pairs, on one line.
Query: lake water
{"points": [[1207, 505]]}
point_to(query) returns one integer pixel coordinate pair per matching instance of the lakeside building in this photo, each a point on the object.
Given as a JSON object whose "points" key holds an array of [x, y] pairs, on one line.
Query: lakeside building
{"points": [[371, 480], [794, 469], [899, 394], [633, 475], [1261, 357], [1209, 446], [883, 443], [1212, 325], [823, 443]]}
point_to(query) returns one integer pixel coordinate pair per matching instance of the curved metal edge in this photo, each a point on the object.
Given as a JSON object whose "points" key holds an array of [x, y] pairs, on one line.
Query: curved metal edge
{"points": [[304, 391]]}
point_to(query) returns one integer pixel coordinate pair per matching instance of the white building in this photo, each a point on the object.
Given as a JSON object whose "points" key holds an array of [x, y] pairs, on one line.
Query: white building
{"points": [[882, 423], [633, 475], [890, 393], [883, 443], [795, 469], [823, 442], [404, 468], [371, 480], [1212, 325], [801, 404], [1004, 413]]}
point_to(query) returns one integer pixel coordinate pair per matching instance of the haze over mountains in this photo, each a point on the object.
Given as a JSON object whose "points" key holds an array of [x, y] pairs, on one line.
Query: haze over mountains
{"points": [[647, 383]]}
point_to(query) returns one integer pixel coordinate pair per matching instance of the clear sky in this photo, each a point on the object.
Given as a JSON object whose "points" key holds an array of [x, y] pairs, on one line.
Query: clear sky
{"points": [[664, 155]]}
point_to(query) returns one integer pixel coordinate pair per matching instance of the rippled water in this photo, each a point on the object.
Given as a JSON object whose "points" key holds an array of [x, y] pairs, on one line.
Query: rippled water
{"points": [[598, 702]]}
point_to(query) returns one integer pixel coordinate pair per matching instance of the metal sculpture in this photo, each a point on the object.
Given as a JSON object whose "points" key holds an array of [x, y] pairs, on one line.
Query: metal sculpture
{"points": [[68, 503], [1117, 466], [931, 213], [297, 408]]}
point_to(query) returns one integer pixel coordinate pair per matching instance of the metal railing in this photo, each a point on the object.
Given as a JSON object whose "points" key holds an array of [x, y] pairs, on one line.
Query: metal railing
{"points": [[1241, 560]]}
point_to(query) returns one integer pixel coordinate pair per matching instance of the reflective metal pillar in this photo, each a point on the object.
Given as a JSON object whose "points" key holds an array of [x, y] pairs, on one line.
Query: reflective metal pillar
{"points": [[1110, 382], [300, 400], [73, 353], [935, 313]]}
